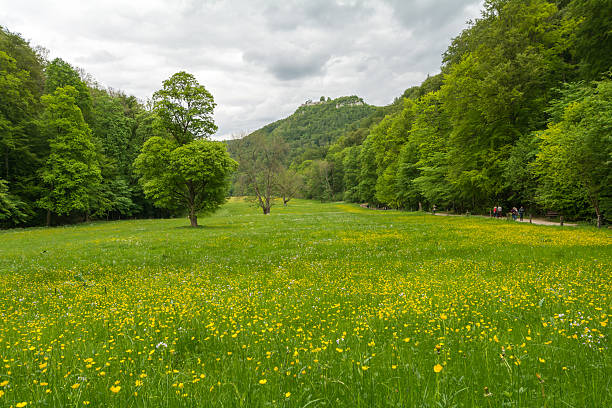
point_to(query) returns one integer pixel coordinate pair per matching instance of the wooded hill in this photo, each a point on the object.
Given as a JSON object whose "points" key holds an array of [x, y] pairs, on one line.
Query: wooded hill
{"points": [[520, 115], [314, 126]]}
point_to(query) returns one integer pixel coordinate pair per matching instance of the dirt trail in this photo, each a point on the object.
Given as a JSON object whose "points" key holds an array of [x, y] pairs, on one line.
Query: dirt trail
{"points": [[537, 221]]}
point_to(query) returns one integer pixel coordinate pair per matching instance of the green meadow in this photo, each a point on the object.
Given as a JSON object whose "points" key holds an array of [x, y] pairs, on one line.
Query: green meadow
{"points": [[314, 305]]}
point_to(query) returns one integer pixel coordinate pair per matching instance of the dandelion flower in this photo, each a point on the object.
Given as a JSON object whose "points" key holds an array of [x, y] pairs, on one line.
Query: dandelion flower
{"points": [[115, 388], [262, 382], [437, 368]]}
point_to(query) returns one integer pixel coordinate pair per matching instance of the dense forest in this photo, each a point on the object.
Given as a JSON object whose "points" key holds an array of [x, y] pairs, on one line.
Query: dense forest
{"points": [[520, 115], [66, 144]]}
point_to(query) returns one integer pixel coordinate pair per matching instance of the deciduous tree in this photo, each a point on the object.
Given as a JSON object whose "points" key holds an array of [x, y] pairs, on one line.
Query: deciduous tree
{"points": [[194, 176], [576, 151], [261, 160], [71, 173], [185, 108]]}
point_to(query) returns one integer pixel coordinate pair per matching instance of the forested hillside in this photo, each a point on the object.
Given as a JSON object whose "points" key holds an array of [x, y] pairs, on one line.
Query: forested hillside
{"points": [[66, 144], [314, 126], [520, 115]]}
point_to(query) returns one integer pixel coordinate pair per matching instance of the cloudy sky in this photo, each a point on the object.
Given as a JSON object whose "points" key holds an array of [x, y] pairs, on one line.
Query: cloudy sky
{"points": [[259, 58]]}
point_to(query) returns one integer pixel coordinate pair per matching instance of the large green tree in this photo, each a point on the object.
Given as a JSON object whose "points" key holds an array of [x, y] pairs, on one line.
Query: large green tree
{"points": [[71, 174], [181, 170], [194, 176], [185, 108]]}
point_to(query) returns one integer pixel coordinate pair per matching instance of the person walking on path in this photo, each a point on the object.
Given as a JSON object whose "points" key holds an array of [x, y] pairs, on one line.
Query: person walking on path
{"points": [[521, 211], [499, 212], [514, 213], [495, 212]]}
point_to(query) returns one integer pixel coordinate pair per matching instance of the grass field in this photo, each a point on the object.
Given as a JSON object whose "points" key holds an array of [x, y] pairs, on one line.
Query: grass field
{"points": [[314, 305]]}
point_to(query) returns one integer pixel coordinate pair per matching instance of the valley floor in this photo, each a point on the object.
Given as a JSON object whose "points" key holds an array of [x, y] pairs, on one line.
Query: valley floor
{"points": [[313, 305]]}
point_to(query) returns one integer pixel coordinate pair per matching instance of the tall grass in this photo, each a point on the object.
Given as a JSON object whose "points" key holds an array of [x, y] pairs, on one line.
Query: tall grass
{"points": [[314, 305]]}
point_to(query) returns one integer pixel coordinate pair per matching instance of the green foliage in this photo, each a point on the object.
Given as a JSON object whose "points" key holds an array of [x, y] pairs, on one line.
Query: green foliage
{"points": [[17, 112], [499, 91], [185, 108], [575, 153], [59, 74], [26, 59], [313, 128], [194, 176], [367, 175], [119, 145], [593, 36], [351, 165], [11, 209], [15, 105], [430, 133], [388, 138], [71, 174]]}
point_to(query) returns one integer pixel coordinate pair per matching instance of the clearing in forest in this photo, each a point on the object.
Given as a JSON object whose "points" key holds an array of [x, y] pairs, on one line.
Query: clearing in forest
{"points": [[315, 304]]}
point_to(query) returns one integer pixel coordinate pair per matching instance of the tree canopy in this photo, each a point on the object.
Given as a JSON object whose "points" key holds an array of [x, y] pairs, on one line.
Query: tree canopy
{"points": [[185, 108], [183, 170], [194, 176]]}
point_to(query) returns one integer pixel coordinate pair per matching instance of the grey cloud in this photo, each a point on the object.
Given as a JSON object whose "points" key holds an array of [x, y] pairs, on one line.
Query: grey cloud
{"points": [[325, 14], [259, 58], [98, 57], [421, 14], [291, 64]]}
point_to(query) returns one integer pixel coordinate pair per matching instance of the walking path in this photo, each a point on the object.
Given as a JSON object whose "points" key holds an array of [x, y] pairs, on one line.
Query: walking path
{"points": [[537, 221]]}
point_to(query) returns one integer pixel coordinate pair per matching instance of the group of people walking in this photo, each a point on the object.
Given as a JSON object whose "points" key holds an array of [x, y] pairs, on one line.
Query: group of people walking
{"points": [[516, 213]]}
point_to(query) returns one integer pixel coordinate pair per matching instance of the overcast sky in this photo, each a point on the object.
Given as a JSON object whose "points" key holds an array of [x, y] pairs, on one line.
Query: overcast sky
{"points": [[259, 58]]}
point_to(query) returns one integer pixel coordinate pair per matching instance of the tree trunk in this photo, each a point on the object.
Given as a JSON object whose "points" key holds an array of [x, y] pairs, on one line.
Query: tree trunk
{"points": [[193, 218], [48, 218], [266, 210]]}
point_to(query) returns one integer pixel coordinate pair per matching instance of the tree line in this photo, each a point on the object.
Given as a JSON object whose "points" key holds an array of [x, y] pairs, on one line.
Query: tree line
{"points": [[521, 114], [72, 150]]}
